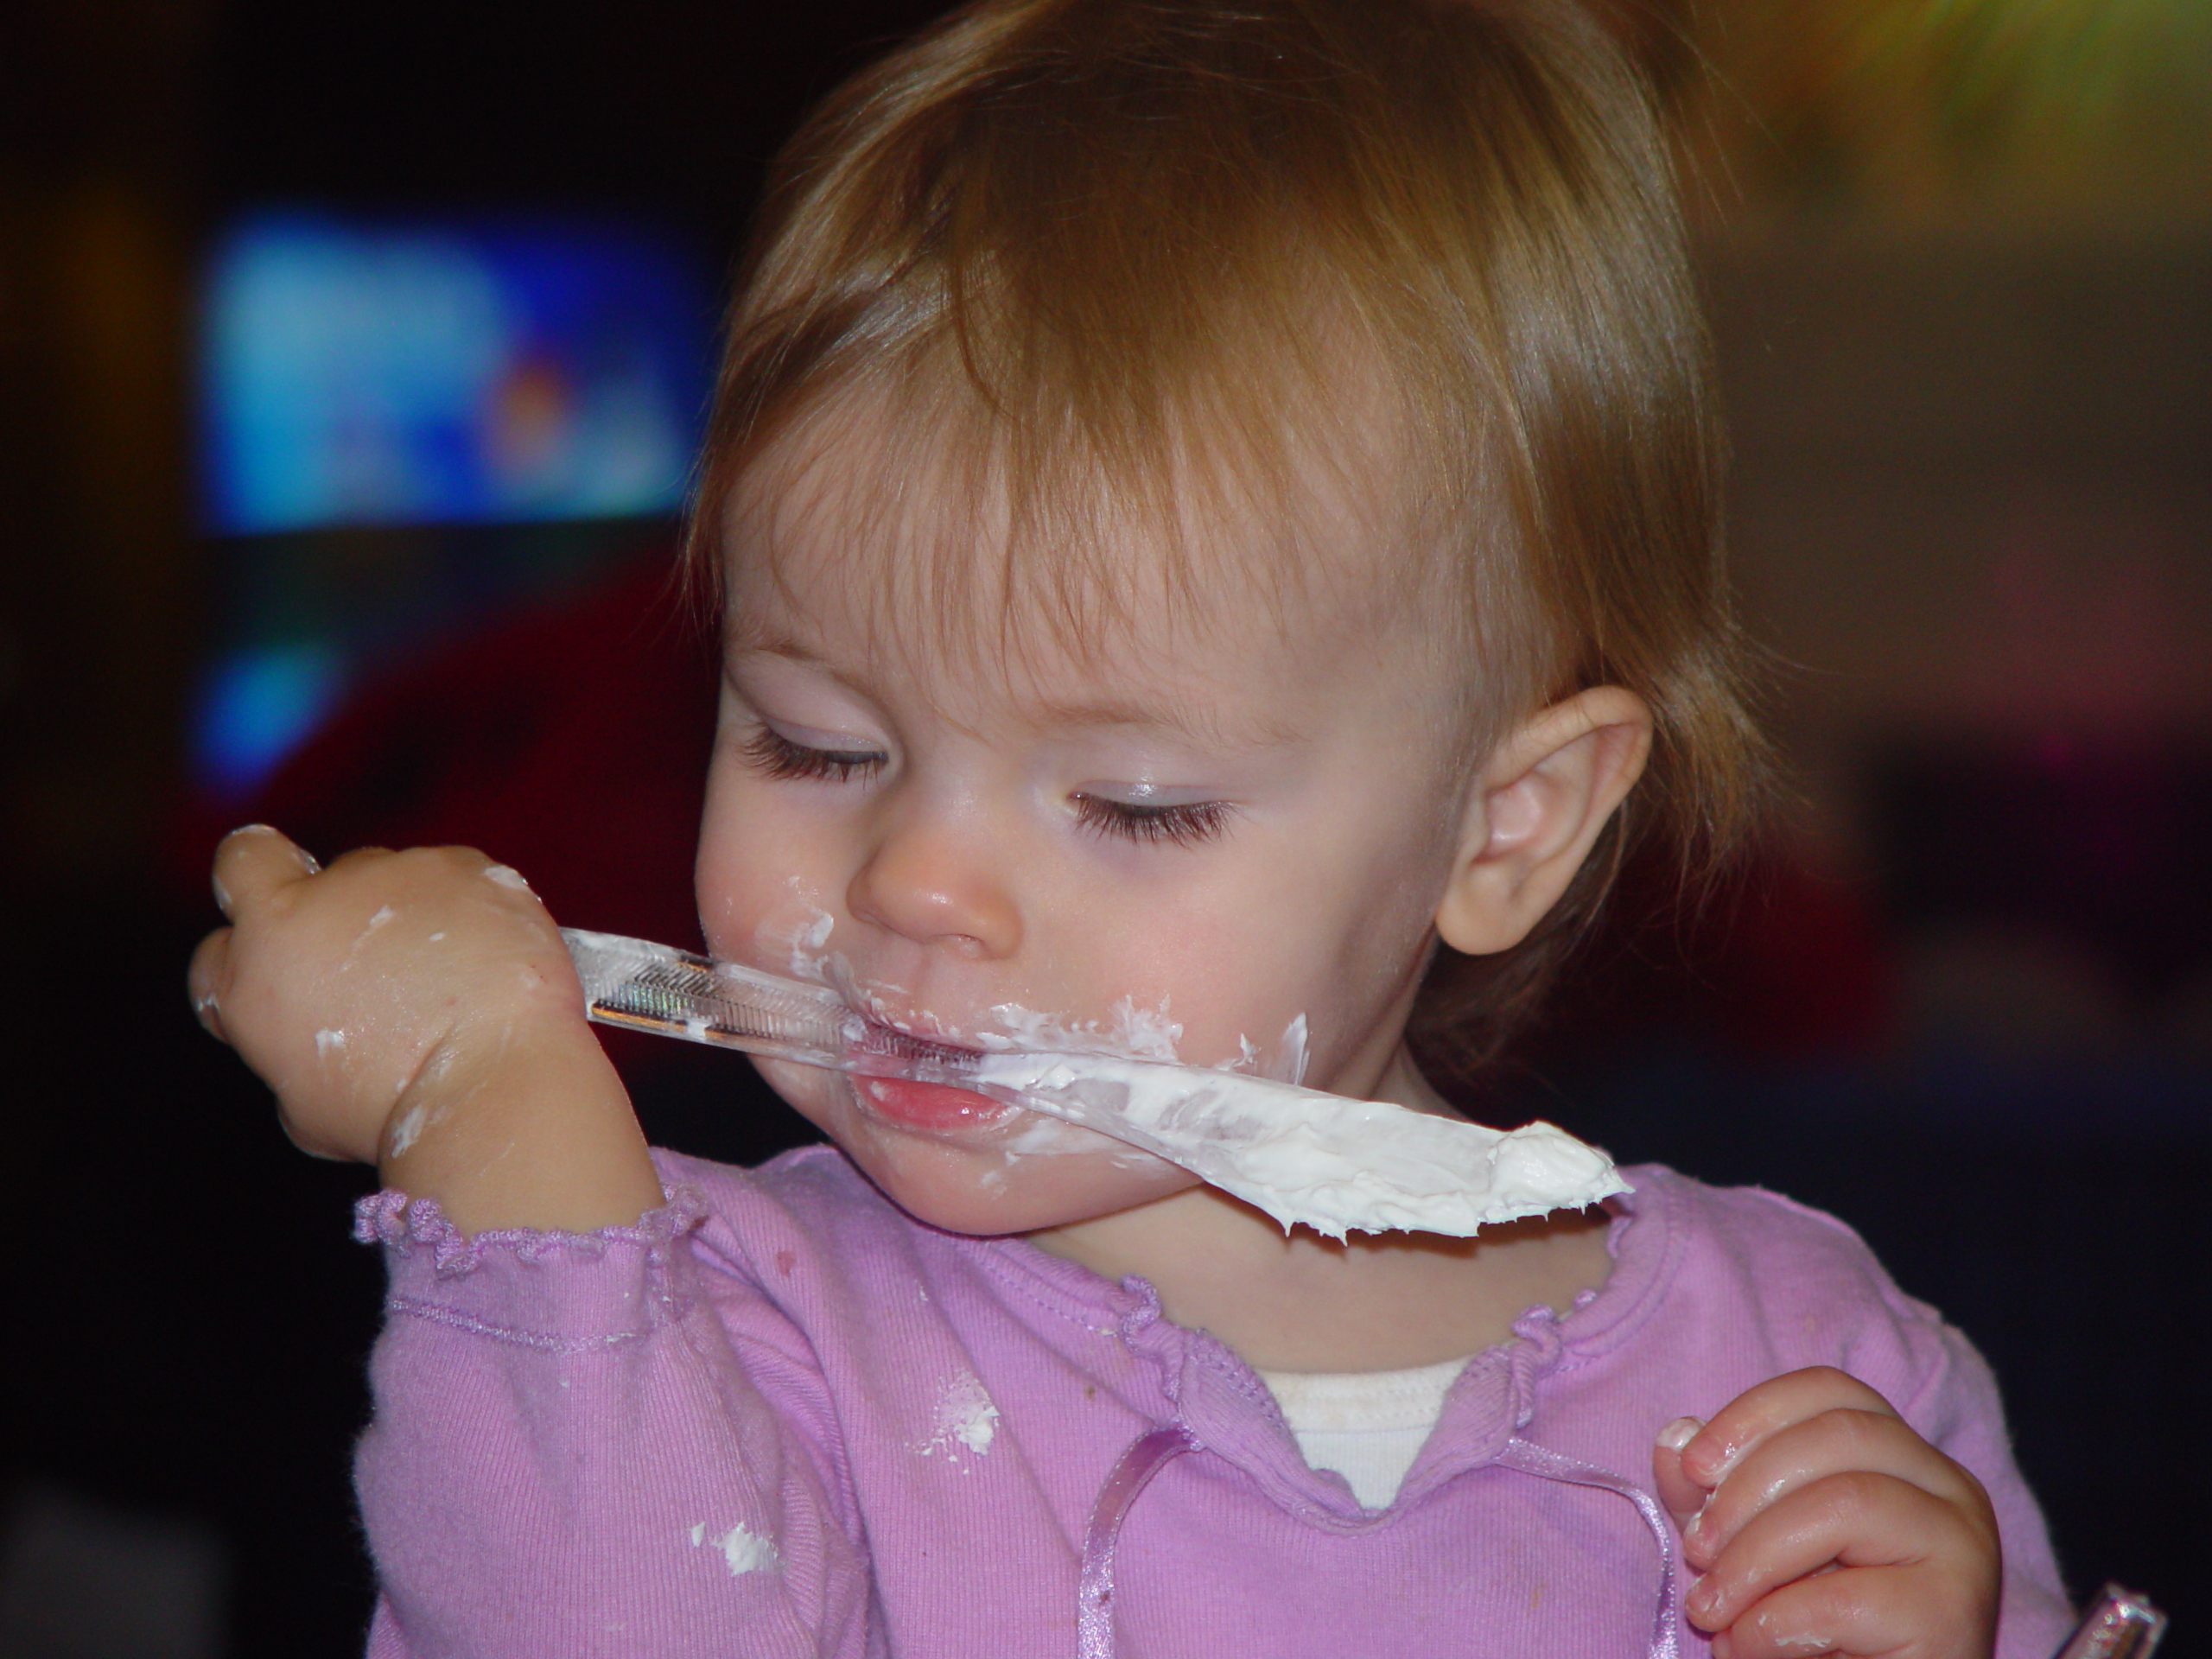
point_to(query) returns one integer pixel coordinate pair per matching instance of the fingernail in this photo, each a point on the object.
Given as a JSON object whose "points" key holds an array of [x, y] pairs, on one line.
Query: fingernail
{"points": [[1680, 1432], [1723, 1647], [1699, 1602], [1729, 1458], [253, 829], [222, 894], [309, 862]]}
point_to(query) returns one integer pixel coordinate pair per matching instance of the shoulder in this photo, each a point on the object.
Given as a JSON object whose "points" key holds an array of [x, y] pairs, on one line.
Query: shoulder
{"points": [[1775, 1246], [1761, 1270]]}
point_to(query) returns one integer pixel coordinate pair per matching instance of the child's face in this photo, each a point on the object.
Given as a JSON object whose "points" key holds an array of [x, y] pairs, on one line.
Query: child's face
{"points": [[1219, 831]]}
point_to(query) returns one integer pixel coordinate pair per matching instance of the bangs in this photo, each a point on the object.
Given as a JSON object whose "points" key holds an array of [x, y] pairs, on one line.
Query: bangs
{"points": [[964, 538], [1144, 270]]}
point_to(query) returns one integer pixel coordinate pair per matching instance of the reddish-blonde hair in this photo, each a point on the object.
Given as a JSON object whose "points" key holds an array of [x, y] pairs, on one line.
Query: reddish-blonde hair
{"points": [[1105, 252]]}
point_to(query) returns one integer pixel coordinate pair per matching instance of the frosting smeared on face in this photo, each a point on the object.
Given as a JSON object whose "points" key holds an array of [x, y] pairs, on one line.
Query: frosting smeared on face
{"points": [[1131, 1033], [795, 935]]}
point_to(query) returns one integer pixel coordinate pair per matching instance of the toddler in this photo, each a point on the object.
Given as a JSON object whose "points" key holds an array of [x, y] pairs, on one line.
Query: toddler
{"points": [[1212, 506]]}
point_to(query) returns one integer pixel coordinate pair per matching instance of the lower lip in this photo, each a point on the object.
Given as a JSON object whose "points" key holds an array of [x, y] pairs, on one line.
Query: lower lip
{"points": [[930, 1106]]}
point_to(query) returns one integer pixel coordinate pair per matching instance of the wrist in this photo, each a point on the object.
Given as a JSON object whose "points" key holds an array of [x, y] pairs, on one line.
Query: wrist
{"points": [[536, 1133]]}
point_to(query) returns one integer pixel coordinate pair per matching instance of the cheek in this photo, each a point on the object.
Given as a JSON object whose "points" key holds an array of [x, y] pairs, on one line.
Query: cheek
{"points": [[1335, 932], [764, 886], [724, 872], [1231, 980]]}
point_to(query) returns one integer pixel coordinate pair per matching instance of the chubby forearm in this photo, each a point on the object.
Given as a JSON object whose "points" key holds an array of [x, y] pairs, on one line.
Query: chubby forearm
{"points": [[535, 1133]]}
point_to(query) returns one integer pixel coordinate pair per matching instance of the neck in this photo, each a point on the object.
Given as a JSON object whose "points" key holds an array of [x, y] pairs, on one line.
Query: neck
{"points": [[1372, 1302]]}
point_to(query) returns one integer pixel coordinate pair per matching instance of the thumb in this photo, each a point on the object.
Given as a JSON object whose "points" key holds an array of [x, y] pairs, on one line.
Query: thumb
{"points": [[254, 862], [1682, 1496]]}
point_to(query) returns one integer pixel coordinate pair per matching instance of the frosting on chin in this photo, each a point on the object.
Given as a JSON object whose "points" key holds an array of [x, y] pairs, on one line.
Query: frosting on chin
{"points": [[1336, 1166]]}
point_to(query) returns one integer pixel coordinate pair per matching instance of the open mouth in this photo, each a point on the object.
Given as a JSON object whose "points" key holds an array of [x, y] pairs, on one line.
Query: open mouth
{"points": [[935, 1107]]}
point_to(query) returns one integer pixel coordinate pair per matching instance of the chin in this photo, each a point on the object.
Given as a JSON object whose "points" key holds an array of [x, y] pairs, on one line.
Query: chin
{"points": [[990, 1191], [982, 1171]]}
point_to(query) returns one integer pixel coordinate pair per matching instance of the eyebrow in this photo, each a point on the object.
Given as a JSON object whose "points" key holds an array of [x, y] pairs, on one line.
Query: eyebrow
{"points": [[1178, 721], [1173, 720], [752, 641]]}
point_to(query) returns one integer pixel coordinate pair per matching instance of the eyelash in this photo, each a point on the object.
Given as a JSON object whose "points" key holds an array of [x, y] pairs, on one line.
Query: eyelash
{"points": [[776, 756], [1186, 825]]}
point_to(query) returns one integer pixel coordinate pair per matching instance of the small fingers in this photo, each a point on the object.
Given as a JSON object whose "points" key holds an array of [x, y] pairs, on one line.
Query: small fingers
{"points": [[1866, 1613], [204, 979], [1855, 1520], [255, 862], [1843, 1440], [1681, 1496], [1774, 1405]]}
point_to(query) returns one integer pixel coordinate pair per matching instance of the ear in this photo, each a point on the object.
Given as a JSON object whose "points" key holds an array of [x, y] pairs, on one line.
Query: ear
{"points": [[1537, 807]]}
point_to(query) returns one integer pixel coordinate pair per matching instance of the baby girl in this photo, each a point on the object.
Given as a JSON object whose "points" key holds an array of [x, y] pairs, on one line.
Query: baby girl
{"points": [[1213, 510]]}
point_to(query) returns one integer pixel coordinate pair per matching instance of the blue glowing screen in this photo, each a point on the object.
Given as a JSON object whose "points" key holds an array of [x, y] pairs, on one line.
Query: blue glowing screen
{"points": [[358, 374], [407, 430]]}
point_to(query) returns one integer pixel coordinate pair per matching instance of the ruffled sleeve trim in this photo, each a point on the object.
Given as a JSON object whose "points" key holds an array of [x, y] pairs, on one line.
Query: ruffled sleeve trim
{"points": [[411, 1226]]}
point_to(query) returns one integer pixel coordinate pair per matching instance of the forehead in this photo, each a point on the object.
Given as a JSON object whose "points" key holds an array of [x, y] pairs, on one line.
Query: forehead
{"points": [[913, 524]]}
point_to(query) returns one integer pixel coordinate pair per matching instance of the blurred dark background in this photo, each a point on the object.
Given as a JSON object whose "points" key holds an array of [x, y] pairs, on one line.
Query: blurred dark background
{"points": [[1960, 258]]}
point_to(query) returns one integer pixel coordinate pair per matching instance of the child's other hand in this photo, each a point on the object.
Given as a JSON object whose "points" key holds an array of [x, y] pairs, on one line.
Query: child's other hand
{"points": [[352, 990], [1823, 1524]]}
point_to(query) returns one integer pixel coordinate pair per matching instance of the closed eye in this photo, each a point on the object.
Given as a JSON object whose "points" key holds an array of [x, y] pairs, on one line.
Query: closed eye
{"points": [[1186, 824], [774, 755]]}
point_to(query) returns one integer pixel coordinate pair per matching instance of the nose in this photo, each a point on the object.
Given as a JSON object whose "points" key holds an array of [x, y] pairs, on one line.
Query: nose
{"points": [[937, 880]]}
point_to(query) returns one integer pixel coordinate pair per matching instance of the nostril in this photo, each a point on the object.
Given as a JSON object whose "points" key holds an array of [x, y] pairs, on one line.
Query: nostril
{"points": [[961, 909]]}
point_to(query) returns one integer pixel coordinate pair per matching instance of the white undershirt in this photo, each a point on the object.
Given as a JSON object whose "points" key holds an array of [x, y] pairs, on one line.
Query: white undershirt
{"points": [[1367, 1425]]}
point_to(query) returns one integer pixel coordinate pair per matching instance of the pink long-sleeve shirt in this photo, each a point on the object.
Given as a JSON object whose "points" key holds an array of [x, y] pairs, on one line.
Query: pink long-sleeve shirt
{"points": [[781, 1417]]}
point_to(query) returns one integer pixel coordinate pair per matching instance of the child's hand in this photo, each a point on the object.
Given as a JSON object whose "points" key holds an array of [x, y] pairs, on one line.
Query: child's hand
{"points": [[418, 1010], [343, 987], [1823, 1524]]}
